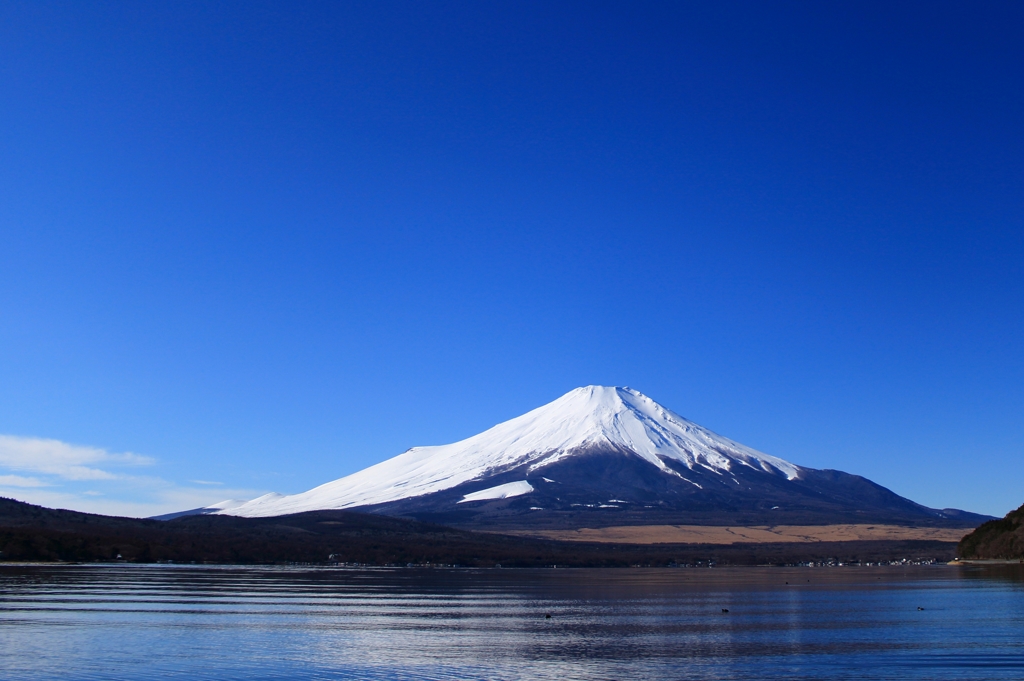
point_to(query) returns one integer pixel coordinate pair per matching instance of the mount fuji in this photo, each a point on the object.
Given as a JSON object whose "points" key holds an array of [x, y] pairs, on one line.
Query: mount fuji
{"points": [[602, 456]]}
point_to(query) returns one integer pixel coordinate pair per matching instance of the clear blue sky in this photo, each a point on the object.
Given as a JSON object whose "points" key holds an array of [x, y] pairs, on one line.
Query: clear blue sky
{"points": [[249, 246]]}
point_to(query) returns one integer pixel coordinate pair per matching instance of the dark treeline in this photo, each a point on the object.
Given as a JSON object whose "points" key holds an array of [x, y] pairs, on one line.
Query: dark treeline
{"points": [[996, 539], [34, 533]]}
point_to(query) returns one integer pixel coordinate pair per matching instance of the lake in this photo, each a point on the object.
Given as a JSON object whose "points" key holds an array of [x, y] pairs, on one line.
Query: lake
{"points": [[211, 622]]}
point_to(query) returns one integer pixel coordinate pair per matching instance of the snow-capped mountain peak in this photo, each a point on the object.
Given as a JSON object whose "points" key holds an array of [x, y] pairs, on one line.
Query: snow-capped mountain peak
{"points": [[583, 420]]}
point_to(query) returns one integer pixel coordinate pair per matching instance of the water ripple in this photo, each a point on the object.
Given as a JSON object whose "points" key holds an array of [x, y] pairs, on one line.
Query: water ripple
{"points": [[167, 622]]}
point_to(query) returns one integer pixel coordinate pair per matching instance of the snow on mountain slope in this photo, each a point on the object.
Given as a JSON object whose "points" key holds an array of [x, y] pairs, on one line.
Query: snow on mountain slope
{"points": [[580, 420], [506, 491], [226, 505]]}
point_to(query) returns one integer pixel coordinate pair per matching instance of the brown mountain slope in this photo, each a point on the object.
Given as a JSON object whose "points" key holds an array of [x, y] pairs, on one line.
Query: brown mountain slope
{"points": [[996, 539]]}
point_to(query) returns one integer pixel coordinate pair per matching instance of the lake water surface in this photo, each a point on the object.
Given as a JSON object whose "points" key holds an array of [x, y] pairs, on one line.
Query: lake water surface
{"points": [[197, 622]]}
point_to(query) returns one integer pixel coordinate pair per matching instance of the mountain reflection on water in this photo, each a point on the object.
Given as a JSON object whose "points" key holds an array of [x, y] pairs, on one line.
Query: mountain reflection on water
{"points": [[148, 622]]}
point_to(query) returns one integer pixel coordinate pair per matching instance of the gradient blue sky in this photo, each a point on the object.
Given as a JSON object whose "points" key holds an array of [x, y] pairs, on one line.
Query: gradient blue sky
{"points": [[249, 247]]}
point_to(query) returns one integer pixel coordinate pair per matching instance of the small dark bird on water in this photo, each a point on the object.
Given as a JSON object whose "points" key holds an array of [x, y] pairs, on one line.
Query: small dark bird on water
{"points": [[920, 608], [725, 609], [547, 617]]}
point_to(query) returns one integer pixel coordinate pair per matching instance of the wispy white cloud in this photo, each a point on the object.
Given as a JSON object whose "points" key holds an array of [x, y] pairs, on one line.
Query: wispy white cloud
{"points": [[67, 461], [20, 481], [82, 478]]}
